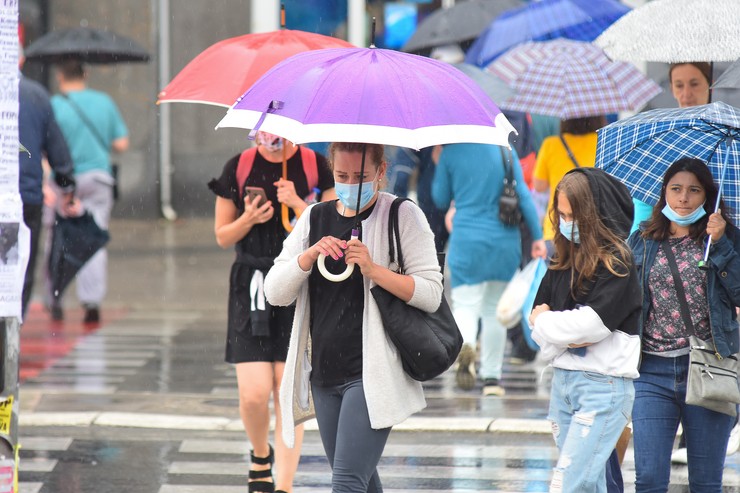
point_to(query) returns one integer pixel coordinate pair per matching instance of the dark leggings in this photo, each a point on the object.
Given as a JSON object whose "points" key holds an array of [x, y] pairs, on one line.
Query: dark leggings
{"points": [[352, 446]]}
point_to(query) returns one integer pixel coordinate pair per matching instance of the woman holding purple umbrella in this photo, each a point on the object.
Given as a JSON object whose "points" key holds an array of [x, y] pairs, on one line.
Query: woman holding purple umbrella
{"points": [[341, 366]]}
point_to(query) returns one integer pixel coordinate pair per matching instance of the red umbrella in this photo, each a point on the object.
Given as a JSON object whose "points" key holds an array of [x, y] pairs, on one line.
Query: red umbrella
{"points": [[224, 71]]}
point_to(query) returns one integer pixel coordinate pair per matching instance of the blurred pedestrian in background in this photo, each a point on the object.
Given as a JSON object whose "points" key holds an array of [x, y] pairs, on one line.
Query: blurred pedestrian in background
{"points": [[573, 147], [258, 333], [340, 361], [591, 341], [93, 128], [690, 87], [403, 163], [681, 221], [483, 253], [39, 133]]}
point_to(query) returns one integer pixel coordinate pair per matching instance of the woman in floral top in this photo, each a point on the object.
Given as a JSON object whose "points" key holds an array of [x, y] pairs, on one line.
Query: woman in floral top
{"points": [[681, 222]]}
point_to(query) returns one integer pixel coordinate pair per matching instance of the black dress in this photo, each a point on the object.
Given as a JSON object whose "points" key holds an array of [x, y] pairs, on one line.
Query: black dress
{"points": [[260, 335]]}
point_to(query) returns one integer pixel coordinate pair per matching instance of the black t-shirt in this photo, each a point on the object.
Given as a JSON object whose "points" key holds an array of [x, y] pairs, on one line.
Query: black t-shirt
{"points": [[336, 307], [264, 242]]}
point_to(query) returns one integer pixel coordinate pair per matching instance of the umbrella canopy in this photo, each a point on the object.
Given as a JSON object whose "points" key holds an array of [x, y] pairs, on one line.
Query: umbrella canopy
{"points": [[462, 22], [369, 95], [581, 20], [730, 78], [225, 70], [698, 30], [74, 241], [638, 150], [86, 44], [493, 86], [570, 79]]}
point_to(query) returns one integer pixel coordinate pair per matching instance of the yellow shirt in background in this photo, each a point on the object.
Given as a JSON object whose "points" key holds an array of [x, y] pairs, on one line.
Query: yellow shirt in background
{"points": [[553, 163]]}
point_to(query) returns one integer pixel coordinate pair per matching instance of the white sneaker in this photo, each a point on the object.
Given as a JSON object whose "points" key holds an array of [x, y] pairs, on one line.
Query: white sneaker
{"points": [[734, 442], [680, 456]]}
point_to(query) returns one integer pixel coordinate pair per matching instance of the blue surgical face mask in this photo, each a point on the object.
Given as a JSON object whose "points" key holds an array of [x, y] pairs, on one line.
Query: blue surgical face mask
{"points": [[348, 193], [569, 229], [687, 220]]}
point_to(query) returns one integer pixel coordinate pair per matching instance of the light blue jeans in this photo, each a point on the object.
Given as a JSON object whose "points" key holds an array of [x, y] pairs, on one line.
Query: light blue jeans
{"points": [[588, 412], [471, 302]]}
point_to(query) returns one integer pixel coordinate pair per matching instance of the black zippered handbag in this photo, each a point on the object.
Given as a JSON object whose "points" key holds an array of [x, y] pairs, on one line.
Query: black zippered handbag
{"points": [[428, 343], [509, 212]]}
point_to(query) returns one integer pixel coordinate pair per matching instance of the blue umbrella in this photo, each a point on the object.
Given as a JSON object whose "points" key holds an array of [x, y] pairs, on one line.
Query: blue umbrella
{"points": [[638, 150], [580, 20]]}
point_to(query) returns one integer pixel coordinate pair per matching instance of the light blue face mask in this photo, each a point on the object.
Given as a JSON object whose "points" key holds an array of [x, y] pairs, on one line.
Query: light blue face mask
{"points": [[569, 229], [687, 220], [347, 193]]}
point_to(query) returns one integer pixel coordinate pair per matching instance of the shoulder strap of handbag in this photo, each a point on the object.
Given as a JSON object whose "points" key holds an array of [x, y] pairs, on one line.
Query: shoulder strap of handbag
{"points": [[570, 153], [508, 168], [682, 303], [394, 231], [86, 121]]}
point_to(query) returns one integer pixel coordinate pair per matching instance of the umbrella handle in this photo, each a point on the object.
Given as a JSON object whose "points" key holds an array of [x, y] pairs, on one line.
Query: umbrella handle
{"points": [[284, 208], [336, 277], [704, 263]]}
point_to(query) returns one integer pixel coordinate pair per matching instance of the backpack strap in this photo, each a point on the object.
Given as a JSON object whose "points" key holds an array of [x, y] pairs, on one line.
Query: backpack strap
{"points": [[243, 168], [310, 167], [246, 161]]}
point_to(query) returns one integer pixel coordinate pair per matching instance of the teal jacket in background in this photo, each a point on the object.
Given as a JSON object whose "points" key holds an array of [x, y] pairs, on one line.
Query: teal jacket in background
{"points": [[87, 151], [481, 248]]}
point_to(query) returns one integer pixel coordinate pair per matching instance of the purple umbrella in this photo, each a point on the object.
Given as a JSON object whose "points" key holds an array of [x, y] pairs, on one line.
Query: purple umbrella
{"points": [[369, 95]]}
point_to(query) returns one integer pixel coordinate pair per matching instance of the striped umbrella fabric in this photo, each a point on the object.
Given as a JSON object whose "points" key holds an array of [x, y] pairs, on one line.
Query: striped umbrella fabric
{"points": [[570, 79], [638, 150]]}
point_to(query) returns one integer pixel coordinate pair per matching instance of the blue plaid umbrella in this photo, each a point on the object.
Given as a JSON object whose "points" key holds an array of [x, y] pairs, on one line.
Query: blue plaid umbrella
{"points": [[580, 20], [638, 150]]}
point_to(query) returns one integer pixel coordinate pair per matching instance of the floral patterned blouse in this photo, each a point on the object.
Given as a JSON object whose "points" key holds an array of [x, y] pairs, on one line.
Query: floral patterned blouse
{"points": [[665, 330]]}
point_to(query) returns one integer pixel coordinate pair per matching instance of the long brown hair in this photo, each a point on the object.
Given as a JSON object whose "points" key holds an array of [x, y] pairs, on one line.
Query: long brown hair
{"points": [[659, 227], [598, 245]]}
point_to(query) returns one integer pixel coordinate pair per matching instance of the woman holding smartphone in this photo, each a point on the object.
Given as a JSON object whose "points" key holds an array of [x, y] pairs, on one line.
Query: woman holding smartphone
{"points": [[257, 333]]}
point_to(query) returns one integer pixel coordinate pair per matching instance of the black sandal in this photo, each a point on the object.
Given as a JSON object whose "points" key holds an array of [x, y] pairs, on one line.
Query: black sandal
{"points": [[259, 485]]}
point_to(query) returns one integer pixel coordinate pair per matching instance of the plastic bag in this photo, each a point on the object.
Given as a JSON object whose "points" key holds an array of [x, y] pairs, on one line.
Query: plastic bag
{"points": [[539, 273], [509, 311]]}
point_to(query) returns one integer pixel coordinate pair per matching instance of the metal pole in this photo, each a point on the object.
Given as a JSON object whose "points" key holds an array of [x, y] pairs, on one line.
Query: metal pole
{"points": [[356, 25], [164, 120], [264, 16]]}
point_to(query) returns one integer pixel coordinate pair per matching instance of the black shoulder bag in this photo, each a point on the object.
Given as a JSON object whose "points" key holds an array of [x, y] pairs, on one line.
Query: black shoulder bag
{"points": [[509, 212], [712, 381], [114, 168], [428, 343]]}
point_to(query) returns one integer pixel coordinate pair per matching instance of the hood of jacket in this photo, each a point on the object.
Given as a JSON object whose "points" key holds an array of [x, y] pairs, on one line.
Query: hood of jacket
{"points": [[612, 199]]}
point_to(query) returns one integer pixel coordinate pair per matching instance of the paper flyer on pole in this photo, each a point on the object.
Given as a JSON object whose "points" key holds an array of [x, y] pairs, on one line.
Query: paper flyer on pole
{"points": [[15, 238]]}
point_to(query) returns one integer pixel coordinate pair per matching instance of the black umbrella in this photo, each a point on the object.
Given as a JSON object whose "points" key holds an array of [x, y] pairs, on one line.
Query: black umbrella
{"points": [[87, 45], [74, 240], [462, 22]]}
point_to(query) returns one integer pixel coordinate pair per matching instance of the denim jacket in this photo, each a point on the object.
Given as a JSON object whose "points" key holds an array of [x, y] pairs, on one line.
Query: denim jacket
{"points": [[723, 285]]}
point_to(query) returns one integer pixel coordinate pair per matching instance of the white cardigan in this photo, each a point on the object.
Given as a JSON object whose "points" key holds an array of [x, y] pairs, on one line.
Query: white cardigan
{"points": [[392, 396]]}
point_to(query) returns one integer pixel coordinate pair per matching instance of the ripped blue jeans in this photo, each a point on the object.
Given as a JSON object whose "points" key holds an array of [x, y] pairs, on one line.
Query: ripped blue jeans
{"points": [[588, 412]]}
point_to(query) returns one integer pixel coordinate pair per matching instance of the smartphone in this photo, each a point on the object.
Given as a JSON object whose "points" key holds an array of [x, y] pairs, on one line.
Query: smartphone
{"points": [[254, 192]]}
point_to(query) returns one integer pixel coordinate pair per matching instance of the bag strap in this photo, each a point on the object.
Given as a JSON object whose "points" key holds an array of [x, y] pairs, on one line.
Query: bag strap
{"points": [[243, 168], [682, 303], [86, 121], [570, 153], [508, 168], [310, 167], [246, 161], [394, 230]]}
